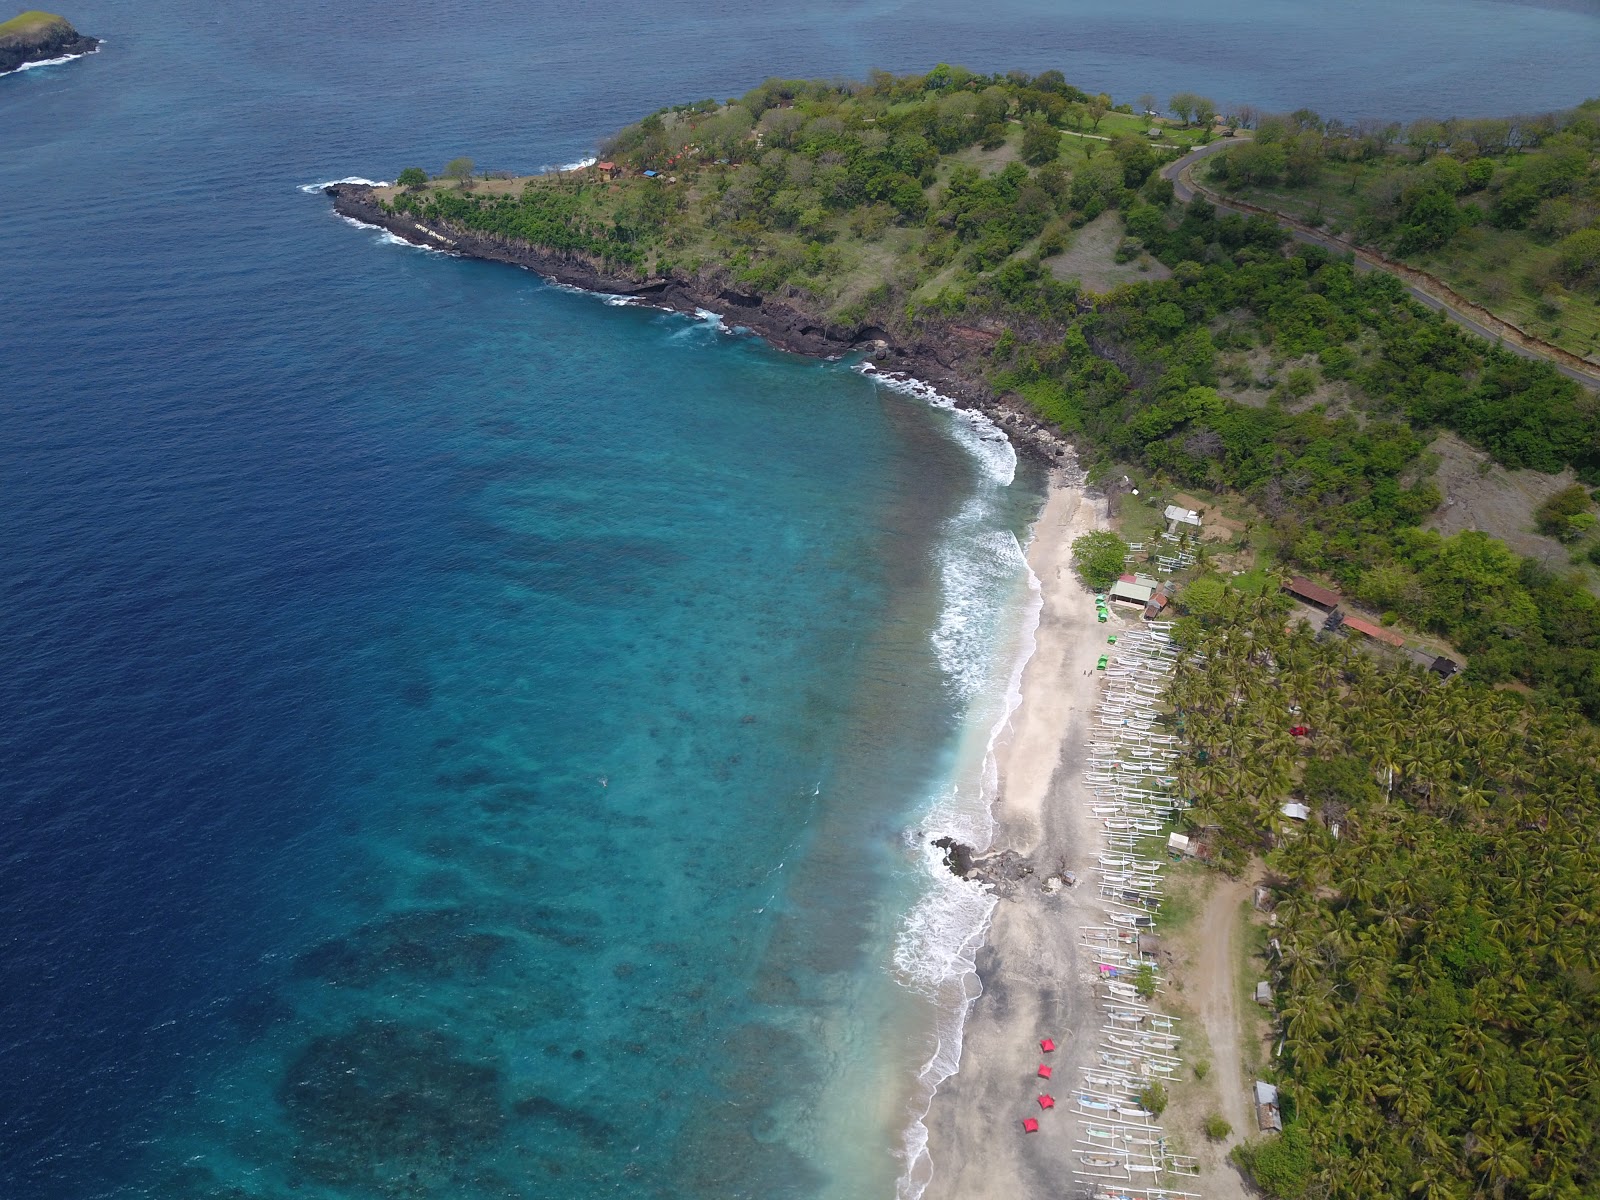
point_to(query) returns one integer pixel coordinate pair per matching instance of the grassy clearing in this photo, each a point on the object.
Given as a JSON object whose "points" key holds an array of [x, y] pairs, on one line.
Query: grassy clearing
{"points": [[1184, 894], [1255, 1022], [1091, 258], [33, 22]]}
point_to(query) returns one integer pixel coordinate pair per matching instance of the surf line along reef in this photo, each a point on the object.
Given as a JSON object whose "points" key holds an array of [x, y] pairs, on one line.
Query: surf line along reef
{"points": [[36, 37]]}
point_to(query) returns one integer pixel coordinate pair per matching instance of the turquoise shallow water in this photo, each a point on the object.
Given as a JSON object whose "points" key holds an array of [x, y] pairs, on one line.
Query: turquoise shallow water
{"points": [[627, 785], [463, 739]]}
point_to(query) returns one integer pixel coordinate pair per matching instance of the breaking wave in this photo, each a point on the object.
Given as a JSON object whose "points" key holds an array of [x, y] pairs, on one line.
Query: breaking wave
{"points": [[314, 188]]}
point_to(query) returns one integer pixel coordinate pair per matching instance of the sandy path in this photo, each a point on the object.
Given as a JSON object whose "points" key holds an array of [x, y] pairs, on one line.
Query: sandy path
{"points": [[1033, 977], [1217, 994]]}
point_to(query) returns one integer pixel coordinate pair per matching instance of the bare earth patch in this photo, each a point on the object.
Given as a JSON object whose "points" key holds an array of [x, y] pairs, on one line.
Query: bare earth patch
{"points": [[1091, 259], [1479, 494], [1207, 960]]}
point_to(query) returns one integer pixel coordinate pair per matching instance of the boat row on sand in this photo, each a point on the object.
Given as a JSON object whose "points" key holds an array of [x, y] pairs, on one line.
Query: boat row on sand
{"points": [[1122, 1152]]}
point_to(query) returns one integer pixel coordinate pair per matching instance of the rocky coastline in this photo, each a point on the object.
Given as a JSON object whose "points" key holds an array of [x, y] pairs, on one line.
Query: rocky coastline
{"points": [[54, 40], [950, 358]]}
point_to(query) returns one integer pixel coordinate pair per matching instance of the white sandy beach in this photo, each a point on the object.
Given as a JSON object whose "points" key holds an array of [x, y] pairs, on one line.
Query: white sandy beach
{"points": [[1032, 968]]}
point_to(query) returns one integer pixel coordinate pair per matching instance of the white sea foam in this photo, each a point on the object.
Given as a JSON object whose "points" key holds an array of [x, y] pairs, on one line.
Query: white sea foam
{"points": [[385, 237], [713, 319], [936, 951], [986, 441], [314, 188], [52, 62], [974, 564], [571, 166], [980, 565]]}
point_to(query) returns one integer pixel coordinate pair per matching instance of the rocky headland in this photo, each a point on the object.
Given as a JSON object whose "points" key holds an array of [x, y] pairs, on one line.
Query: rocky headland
{"points": [[38, 37], [948, 357]]}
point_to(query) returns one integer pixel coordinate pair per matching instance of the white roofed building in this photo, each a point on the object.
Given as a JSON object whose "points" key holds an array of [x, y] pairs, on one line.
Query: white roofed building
{"points": [[1182, 520]]}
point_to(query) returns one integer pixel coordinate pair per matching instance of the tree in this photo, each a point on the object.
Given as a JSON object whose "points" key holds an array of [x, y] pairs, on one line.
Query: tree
{"points": [[1041, 142], [1098, 557], [1578, 257], [1558, 516], [412, 178], [459, 169], [1147, 104], [1097, 108], [1181, 105], [1243, 116], [1205, 110]]}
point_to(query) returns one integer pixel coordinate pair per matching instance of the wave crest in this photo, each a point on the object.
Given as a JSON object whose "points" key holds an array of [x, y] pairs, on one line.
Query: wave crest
{"points": [[314, 188]]}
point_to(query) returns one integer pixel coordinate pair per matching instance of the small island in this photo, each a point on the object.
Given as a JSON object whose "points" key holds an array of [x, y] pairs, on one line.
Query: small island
{"points": [[35, 37]]}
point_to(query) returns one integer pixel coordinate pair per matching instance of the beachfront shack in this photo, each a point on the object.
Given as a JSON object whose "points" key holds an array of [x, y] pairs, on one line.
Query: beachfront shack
{"points": [[1376, 633], [1182, 520], [1313, 594], [1134, 589]]}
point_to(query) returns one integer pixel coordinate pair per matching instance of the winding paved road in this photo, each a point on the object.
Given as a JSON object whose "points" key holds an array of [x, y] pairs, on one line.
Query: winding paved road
{"points": [[1422, 286]]}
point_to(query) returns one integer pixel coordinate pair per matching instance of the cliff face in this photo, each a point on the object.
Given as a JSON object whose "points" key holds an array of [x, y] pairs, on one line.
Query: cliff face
{"points": [[952, 358], [37, 37]]}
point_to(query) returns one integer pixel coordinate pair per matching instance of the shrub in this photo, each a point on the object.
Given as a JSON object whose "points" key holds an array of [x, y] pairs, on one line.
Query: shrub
{"points": [[1202, 1068], [1217, 1127], [1153, 1098], [1280, 1166]]}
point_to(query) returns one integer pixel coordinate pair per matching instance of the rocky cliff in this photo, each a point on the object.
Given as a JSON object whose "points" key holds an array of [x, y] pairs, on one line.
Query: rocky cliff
{"points": [[37, 37]]}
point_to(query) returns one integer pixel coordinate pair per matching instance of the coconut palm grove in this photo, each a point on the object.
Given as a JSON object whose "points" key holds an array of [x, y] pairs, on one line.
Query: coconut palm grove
{"points": [[1437, 942]]}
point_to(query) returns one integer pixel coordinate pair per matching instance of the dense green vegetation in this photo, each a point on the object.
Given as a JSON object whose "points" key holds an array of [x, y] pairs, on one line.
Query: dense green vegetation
{"points": [[1342, 494], [929, 206], [1438, 918], [1506, 210], [856, 197]]}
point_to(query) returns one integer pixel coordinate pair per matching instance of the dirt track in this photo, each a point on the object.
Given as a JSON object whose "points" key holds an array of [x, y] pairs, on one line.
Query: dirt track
{"points": [[1428, 289]]}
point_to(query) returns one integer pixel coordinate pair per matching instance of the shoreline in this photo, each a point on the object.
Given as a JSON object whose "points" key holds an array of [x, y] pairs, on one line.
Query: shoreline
{"points": [[951, 367], [1029, 964], [50, 54], [1027, 748]]}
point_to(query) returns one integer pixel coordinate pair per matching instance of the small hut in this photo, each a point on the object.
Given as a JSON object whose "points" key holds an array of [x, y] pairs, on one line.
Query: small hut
{"points": [[1268, 1118]]}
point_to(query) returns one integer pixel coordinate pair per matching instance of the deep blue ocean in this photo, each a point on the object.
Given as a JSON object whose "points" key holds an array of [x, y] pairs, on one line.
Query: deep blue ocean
{"points": [[460, 738]]}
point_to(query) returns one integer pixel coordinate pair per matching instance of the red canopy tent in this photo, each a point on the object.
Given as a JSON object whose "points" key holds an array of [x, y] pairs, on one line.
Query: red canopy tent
{"points": [[1030, 1126], [1046, 1045], [1044, 1071], [1047, 1101]]}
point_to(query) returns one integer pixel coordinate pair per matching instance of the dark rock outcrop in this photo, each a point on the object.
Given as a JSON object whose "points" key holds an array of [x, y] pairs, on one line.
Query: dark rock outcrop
{"points": [[951, 358], [47, 39]]}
